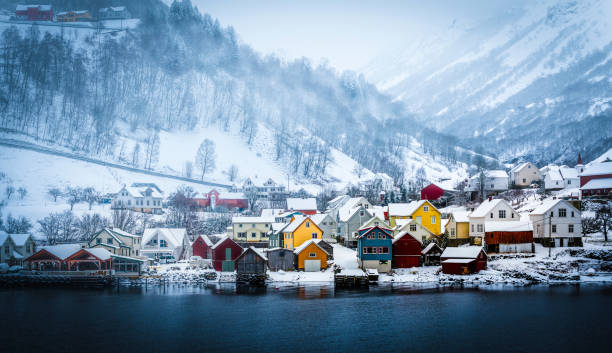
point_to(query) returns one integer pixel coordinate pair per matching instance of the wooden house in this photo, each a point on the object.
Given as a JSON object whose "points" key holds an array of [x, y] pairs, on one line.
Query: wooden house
{"points": [[328, 225], [52, 258], [327, 247], [310, 257], [463, 260], [7, 248], [431, 255], [596, 180], [73, 16], [458, 228], [508, 237], [202, 247], [251, 262], [351, 217], [34, 12], [374, 249], [281, 259], [300, 230], [116, 241], [421, 211], [215, 200], [490, 210], [251, 229], [406, 251], [224, 252], [524, 174], [557, 223]]}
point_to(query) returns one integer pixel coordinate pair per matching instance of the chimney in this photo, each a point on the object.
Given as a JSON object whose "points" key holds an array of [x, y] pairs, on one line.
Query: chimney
{"points": [[490, 198]]}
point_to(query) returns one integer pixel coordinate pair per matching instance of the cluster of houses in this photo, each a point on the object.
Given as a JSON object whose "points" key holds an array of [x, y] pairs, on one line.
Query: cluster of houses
{"points": [[45, 13]]}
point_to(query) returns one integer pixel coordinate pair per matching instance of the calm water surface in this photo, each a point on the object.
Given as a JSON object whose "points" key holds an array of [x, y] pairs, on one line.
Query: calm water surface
{"points": [[310, 318]]}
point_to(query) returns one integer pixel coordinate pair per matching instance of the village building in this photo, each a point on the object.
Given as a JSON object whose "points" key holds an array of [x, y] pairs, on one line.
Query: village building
{"points": [[116, 241], [406, 251], [14, 248], [274, 194], [327, 247], [52, 258], [271, 212], [431, 255], [280, 259], [458, 228], [73, 16], [202, 247], [164, 242], [302, 229], [508, 237], [416, 229], [376, 221], [422, 211], [127, 266], [252, 230], [96, 259], [374, 249], [287, 216], [310, 257], [34, 13], [251, 262], [560, 177], [345, 204], [276, 235], [7, 249], [328, 225], [224, 200], [224, 252], [114, 13], [524, 174], [557, 223], [146, 198], [437, 191], [307, 206], [463, 260], [494, 181], [596, 180], [490, 210], [349, 222]]}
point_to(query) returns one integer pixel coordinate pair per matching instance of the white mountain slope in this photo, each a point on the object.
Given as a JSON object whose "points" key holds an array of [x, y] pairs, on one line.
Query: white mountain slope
{"points": [[525, 75]]}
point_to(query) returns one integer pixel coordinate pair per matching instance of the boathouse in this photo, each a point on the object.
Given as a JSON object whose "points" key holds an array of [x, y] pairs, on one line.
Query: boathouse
{"points": [[431, 255], [310, 256], [463, 260], [281, 259], [202, 247], [224, 252], [52, 258], [406, 251], [94, 259]]}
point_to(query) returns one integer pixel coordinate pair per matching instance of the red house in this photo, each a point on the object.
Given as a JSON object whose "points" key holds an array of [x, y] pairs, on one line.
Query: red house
{"points": [[434, 191], [202, 247], [34, 12], [596, 179], [224, 252], [463, 260], [228, 200], [406, 251]]}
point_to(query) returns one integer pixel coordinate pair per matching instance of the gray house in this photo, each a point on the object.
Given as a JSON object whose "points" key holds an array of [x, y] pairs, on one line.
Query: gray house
{"points": [[349, 223], [281, 259], [328, 225]]}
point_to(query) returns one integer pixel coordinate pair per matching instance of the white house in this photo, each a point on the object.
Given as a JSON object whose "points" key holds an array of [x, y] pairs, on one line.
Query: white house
{"points": [[558, 223], [146, 198], [524, 174], [560, 177], [490, 211], [304, 205], [495, 180], [158, 242]]}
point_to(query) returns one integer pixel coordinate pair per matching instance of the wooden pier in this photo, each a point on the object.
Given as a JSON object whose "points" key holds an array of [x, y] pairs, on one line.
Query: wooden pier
{"points": [[351, 279], [55, 281]]}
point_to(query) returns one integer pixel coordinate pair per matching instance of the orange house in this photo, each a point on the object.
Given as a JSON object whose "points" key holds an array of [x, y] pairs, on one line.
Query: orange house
{"points": [[310, 257]]}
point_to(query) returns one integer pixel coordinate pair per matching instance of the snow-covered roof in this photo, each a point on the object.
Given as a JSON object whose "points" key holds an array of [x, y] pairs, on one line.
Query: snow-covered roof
{"points": [[246, 219], [469, 252], [116, 9], [258, 252], [318, 218], [404, 209], [554, 174], [174, 236], [207, 240], [446, 185], [605, 183], [547, 205], [271, 212], [429, 247], [298, 204], [19, 239], [62, 251], [598, 169], [485, 207], [519, 167], [507, 226], [100, 253], [457, 261], [377, 211], [279, 227], [401, 235], [304, 245], [568, 173], [123, 233], [461, 217], [346, 211], [221, 240], [496, 174], [227, 195], [372, 223], [40, 7], [139, 191], [17, 255], [296, 223]]}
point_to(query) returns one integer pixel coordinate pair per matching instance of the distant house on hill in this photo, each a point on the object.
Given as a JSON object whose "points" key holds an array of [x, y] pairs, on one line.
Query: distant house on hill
{"points": [[524, 174], [596, 180], [34, 13], [215, 200], [73, 16], [306, 206], [146, 199], [494, 181], [435, 191], [113, 13]]}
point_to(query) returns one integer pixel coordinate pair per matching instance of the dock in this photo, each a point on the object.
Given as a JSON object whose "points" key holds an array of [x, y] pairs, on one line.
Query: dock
{"points": [[45, 280], [351, 278]]}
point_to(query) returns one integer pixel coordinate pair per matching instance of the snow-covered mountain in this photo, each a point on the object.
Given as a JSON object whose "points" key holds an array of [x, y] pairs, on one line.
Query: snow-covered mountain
{"points": [[534, 82]]}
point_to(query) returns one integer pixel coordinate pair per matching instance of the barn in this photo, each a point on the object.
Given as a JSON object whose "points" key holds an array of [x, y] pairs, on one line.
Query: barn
{"points": [[224, 252], [251, 262], [463, 260], [406, 251], [281, 259], [202, 247]]}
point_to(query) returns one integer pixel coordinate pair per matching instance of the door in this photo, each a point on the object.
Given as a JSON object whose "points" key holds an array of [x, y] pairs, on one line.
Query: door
{"points": [[228, 264], [312, 265], [557, 243]]}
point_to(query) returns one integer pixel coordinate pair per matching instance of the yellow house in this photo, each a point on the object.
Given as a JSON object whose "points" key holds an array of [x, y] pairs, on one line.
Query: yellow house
{"points": [[421, 211], [418, 231], [310, 256], [300, 230], [458, 228]]}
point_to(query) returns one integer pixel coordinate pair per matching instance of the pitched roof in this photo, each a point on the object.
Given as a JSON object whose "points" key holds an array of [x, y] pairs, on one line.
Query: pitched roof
{"points": [[485, 207], [318, 218], [605, 183], [458, 261], [221, 240], [598, 169], [547, 205], [554, 174], [139, 191], [100, 253], [299, 204], [19, 239], [405, 209], [429, 247], [62, 251], [466, 252], [519, 167], [3, 237], [346, 211], [401, 235], [255, 250], [271, 212], [174, 236], [301, 248], [461, 217], [369, 229], [568, 173], [123, 233], [206, 239], [297, 221], [496, 174]]}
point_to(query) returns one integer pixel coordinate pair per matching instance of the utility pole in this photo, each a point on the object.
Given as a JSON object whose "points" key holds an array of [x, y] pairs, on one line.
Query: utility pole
{"points": [[549, 234]]}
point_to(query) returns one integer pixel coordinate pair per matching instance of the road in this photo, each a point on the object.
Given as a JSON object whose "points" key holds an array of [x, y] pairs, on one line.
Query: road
{"points": [[41, 149]]}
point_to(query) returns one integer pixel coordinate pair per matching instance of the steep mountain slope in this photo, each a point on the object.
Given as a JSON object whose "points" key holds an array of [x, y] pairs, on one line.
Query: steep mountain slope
{"points": [[534, 83]]}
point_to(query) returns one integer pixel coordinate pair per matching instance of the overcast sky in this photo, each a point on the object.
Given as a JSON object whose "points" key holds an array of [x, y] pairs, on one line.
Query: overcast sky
{"points": [[346, 33]]}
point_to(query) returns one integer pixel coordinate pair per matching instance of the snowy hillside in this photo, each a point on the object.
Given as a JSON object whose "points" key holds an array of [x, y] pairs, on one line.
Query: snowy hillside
{"points": [[539, 74]]}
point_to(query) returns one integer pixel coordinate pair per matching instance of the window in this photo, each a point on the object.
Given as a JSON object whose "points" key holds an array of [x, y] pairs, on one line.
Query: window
{"points": [[572, 213], [562, 212], [480, 227], [253, 235], [242, 235], [554, 228], [7, 250], [383, 250], [163, 243], [147, 202], [569, 182], [538, 230], [315, 235], [570, 228], [263, 235], [472, 228], [98, 241], [266, 225], [512, 215], [491, 214], [418, 219], [307, 224], [253, 225], [240, 226], [109, 240], [361, 213], [129, 202], [425, 208], [502, 213], [452, 232], [552, 214], [413, 227], [433, 219], [381, 236], [524, 180], [312, 254]]}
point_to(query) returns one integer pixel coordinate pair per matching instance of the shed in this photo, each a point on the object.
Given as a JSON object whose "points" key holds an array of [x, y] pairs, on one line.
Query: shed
{"points": [[125, 264], [281, 259], [431, 255], [202, 247], [463, 260], [251, 262], [310, 257], [406, 251], [224, 252]]}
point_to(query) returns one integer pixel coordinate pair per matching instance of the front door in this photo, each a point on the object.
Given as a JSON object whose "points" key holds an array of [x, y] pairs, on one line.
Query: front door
{"points": [[228, 264]]}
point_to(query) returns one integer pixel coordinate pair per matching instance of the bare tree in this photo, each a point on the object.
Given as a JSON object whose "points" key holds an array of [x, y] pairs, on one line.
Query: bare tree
{"points": [[136, 156], [205, 157], [54, 192], [73, 195], [91, 196], [232, 173], [152, 151], [124, 219], [604, 217], [17, 225], [22, 191], [9, 191]]}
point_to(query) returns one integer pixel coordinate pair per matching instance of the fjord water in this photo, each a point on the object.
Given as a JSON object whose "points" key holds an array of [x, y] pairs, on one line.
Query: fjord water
{"points": [[306, 318]]}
